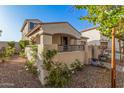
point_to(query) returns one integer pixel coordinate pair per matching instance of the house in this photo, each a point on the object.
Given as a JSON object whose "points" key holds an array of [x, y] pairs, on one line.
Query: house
{"points": [[61, 36], [96, 38]]}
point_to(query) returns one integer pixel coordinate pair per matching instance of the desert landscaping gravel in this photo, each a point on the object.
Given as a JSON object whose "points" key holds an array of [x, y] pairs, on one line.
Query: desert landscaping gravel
{"points": [[95, 77], [13, 75]]}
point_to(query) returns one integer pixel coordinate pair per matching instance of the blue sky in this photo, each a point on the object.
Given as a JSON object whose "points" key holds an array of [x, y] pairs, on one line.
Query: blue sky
{"points": [[12, 18]]}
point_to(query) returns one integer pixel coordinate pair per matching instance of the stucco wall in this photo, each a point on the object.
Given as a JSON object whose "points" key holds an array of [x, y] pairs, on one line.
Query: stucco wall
{"points": [[70, 57], [51, 46], [28, 53], [46, 39], [64, 57]]}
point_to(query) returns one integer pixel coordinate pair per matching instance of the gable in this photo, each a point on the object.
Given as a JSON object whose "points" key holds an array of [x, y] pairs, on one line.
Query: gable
{"points": [[92, 34], [31, 23], [60, 28]]}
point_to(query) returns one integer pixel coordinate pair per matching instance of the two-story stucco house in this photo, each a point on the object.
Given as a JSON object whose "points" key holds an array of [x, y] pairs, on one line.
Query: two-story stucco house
{"points": [[96, 38], [61, 36], [61, 33]]}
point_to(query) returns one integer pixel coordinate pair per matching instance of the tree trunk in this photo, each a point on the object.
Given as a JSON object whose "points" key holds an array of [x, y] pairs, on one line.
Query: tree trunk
{"points": [[113, 65]]}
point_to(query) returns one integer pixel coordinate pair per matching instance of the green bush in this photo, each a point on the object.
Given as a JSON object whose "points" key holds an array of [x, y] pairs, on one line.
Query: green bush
{"points": [[2, 54], [59, 75], [9, 51], [29, 66], [11, 44], [23, 44], [76, 66], [34, 51], [48, 55], [22, 54]]}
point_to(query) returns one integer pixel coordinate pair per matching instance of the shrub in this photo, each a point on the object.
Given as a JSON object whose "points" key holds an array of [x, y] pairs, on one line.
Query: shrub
{"points": [[48, 55], [76, 66], [59, 75], [23, 44], [29, 66], [34, 51], [22, 54], [9, 51], [11, 44], [2, 54]]}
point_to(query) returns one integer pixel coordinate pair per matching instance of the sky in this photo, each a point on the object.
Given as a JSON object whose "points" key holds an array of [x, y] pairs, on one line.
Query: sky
{"points": [[12, 18]]}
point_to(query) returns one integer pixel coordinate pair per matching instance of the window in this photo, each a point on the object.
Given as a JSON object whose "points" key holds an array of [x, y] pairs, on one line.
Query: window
{"points": [[104, 43], [32, 25]]}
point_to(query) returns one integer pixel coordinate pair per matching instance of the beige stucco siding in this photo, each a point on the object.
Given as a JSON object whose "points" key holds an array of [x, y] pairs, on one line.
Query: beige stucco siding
{"points": [[56, 39], [63, 28], [70, 57], [45, 39]]}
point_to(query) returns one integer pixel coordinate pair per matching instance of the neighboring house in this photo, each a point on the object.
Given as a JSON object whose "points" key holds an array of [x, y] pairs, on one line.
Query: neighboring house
{"points": [[96, 38]]}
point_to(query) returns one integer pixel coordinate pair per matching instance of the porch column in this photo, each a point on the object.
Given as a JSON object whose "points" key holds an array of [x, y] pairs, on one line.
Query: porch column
{"points": [[44, 41]]}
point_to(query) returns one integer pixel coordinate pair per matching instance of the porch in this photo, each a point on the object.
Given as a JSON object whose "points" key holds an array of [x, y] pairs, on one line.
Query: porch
{"points": [[65, 42], [60, 42]]}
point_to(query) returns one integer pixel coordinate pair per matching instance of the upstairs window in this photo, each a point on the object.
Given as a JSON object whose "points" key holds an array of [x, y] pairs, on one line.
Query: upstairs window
{"points": [[32, 25]]}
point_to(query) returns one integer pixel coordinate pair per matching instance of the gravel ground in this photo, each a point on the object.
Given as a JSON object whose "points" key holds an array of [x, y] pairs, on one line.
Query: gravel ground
{"points": [[95, 77], [13, 75]]}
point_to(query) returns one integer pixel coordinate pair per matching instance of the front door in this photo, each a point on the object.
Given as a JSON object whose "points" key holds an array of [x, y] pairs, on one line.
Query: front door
{"points": [[65, 43]]}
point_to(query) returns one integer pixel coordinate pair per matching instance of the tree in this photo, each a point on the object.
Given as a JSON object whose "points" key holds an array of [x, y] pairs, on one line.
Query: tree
{"points": [[108, 18]]}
